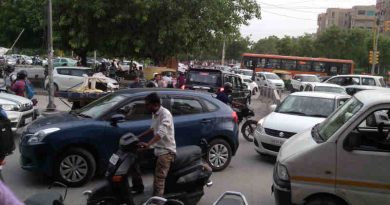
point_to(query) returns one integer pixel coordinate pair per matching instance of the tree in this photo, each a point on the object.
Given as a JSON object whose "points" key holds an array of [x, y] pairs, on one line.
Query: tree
{"points": [[332, 43], [287, 46], [236, 48], [267, 45]]}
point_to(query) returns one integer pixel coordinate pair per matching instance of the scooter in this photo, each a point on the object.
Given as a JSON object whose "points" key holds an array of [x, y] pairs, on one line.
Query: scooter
{"points": [[185, 181]]}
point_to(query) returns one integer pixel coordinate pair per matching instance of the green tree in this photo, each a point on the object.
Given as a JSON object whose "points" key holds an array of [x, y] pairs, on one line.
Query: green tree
{"points": [[332, 43], [235, 48], [267, 45], [287, 46]]}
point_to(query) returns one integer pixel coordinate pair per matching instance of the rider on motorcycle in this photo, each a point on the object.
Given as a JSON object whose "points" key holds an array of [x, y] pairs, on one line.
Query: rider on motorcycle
{"points": [[225, 96]]}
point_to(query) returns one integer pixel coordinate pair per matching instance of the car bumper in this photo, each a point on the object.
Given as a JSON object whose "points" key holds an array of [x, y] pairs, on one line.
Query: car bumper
{"points": [[35, 157], [266, 144], [20, 119], [281, 190]]}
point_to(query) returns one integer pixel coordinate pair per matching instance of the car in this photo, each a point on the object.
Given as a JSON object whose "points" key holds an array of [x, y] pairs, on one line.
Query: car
{"points": [[345, 80], [67, 78], [246, 72], [268, 79], [211, 80], [353, 89], [64, 62], [252, 85], [299, 81], [125, 65], [324, 87], [20, 110], [298, 112], [343, 160], [55, 144]]}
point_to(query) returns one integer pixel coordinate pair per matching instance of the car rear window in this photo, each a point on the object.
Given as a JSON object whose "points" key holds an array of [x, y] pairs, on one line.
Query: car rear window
{"points": [[204, 78]]}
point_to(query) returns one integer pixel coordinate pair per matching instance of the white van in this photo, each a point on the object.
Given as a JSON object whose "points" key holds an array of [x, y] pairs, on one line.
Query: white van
{"points": [[344, 160]]}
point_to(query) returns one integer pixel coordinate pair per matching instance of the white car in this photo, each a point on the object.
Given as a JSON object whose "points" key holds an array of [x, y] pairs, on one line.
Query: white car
{"points": [[126, 65], [298, 112], [268, 79], [345, 80], [246, 72], [324, 87], [67, 78], [20, 110], [299, 81], [252, 85]]}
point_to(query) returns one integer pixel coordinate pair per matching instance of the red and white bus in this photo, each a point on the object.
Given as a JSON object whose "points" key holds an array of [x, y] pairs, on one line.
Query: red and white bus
{"points": [[297, 65]]}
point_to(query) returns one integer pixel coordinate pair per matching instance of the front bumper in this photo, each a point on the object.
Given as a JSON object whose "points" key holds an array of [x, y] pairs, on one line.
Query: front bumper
{"points": [[266, 144], [36, 157], [281, 190], [20, 119]]}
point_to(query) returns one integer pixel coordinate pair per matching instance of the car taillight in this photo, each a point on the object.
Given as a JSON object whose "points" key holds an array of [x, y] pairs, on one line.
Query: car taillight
{"points": [[183, 87], [235, 117], [116, 178], [221, 89]]}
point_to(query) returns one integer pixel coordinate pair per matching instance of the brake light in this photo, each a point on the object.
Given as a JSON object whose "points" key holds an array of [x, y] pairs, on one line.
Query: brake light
{"points": [[116, 178], [221, 89], [183, 87], [235, 117]]}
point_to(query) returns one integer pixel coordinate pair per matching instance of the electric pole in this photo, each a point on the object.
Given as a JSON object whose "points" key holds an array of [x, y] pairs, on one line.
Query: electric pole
{"points": [[50, 106]]}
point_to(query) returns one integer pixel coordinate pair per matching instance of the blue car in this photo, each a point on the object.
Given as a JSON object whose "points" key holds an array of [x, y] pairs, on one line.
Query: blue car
{"points": [[73, 147]]}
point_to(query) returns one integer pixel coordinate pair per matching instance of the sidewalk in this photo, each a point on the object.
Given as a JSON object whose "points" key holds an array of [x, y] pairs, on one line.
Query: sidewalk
{"points": [[43, 100]]}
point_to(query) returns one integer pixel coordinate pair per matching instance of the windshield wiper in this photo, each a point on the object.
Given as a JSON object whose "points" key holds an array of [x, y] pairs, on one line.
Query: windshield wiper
{"points": [[318, 115], [293, 112]]}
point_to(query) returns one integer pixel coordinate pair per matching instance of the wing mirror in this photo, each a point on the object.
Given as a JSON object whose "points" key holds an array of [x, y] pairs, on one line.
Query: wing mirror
{"points": [[115, 119]]}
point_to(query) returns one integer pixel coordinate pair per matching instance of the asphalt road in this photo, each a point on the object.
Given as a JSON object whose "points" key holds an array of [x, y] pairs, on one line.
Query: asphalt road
{"points": [[248, 173]]}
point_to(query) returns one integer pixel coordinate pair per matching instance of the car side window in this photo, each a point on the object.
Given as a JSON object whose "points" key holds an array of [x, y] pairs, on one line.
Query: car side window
{"points": [[237, 83], [78, 72], [135, 110], [335, 81], [372, 134], [368, 81], [210, 106], [63, 71], [56, 60], [185, 106], [63, 61]]}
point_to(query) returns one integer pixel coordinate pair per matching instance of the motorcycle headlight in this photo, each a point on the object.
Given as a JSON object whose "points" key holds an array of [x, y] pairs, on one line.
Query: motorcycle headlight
{"points": [[282, 172], [39, 136], [10, 107]]}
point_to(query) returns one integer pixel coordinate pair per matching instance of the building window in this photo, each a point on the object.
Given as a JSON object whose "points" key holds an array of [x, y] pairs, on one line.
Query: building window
{"points": [[370, 13], [332, 14], [361, 12]]}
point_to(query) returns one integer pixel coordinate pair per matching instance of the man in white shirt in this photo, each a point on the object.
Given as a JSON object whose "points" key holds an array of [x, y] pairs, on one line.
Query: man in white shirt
{"points": [[163, 141]]}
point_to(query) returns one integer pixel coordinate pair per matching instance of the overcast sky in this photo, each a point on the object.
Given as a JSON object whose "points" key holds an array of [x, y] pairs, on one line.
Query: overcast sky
{"points": [[292, 17]]}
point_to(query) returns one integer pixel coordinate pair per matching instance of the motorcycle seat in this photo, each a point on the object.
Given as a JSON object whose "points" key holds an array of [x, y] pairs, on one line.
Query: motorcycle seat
{"points": [[186, 155]]}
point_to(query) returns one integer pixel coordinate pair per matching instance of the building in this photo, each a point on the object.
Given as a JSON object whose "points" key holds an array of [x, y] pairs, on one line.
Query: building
{"points": [[383, 9], [363, 17], [321, 22]]}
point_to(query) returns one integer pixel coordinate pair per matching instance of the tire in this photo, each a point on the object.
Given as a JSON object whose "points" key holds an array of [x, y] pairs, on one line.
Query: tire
{"points": [[325, 200], [56, 89], [247, 129], [83, 172], [301, 89], [219, 154]]}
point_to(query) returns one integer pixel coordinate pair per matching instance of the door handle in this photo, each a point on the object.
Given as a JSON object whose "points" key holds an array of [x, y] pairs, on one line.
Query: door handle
{"points": [[205, 121]]}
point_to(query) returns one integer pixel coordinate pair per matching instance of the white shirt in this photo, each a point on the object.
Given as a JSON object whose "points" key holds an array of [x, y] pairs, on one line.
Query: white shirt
{"points": [[162, 124]]}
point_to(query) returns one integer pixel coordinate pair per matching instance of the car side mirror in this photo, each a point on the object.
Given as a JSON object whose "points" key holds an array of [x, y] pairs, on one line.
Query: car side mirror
{"points": [[115, 119], [272, 107], [350, 143]]}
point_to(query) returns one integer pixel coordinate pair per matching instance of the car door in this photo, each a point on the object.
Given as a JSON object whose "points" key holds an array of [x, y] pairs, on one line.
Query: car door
{"points": [[62, 78], [363, 159], [296, 82], [191, 120]]}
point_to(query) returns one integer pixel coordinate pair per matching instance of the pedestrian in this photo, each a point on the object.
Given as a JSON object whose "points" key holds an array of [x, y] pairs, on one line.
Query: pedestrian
{"points": [[137, 83], [163, 141], [181, 80], [7, 197]]}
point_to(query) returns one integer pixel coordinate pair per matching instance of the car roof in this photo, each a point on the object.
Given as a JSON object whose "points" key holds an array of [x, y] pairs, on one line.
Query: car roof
{"points": [[262, 72], [209, 70], [246, 70], [132, 91], [305, 75], [321, 95], [323, 84], [372, 76], [74, 67], [365, 87], [373, 97]]}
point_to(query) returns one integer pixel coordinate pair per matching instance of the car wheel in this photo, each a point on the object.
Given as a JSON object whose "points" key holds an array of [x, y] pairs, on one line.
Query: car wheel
{"points": [[301, 89], [325, 200], [56, 89], [219, 154], [75, 167]]}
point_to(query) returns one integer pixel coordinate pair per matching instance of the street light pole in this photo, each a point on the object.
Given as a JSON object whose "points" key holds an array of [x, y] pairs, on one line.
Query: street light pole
{"points": [[50, 106]]}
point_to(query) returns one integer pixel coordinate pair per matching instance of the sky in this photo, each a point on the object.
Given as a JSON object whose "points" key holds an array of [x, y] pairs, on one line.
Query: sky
{"points": [[292, 17]]}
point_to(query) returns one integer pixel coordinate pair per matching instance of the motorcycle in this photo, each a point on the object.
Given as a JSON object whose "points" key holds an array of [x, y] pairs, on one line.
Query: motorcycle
{"points": [[185, 181], [249, 125]]}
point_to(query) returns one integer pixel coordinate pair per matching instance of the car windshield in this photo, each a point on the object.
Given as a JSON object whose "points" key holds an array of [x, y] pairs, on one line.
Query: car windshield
{"points": [[307, 106], [248, 80], [339, 118], [310, 79], [329, 89], [204, 78], [272, 76], [100, 106], [246, 72]]}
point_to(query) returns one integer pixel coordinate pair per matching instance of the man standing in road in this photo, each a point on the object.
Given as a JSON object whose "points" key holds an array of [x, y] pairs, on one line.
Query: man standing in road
{"points": [[163, 141]]}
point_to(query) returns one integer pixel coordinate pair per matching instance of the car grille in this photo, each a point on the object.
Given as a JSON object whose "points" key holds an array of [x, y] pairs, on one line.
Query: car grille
{"points": [[26, 106], [270, 147], [279, 85], [277, 133]]}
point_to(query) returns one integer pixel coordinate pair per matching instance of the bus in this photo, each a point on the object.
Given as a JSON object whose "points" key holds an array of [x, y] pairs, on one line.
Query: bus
{"points": [[297, 65]]}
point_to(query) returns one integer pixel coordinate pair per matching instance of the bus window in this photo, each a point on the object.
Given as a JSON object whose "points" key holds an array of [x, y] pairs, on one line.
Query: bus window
{"points": [[304, 65], [261, 63], [247, 62], [273, 63], [318, 67], [289, 64], [346, 69]]}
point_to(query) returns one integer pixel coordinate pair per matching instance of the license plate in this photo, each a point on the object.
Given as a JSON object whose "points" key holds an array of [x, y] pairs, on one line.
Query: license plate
{"points": [[114, 159], [277, 142], [27, 120]]}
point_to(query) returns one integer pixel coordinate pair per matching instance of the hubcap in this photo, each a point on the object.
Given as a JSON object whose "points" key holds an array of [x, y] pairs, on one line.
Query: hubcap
{"points": [[218, 155], [73, 168]]}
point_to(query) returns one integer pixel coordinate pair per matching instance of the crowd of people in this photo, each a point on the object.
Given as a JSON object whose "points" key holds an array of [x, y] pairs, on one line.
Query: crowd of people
{"points": [[169, 80]]}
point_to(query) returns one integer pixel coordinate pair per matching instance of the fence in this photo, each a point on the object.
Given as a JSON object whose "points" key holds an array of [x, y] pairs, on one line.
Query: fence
{"points": [[270, 95]]}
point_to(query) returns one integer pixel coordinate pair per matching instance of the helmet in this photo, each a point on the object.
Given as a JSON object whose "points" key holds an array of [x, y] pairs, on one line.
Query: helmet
{"points": [[227, 86], [21, 74]]}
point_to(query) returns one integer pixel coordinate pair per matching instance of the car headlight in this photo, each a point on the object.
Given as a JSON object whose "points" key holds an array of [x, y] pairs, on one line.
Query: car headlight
{"points": [[10, 107], [39, 136], [282, 172], [259, 127]]}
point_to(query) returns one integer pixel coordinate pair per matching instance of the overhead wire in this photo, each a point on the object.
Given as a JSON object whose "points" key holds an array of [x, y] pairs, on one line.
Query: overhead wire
{"points": [[294, 17]]}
